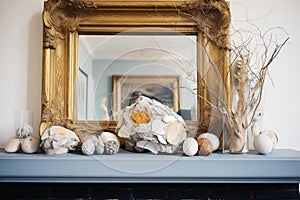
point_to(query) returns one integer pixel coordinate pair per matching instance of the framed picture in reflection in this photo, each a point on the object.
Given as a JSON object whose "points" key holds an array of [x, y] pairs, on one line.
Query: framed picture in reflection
{"points": [[127, 88], [82, 103]]}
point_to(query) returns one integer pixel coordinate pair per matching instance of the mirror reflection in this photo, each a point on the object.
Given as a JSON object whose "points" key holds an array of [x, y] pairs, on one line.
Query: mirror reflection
{"points": [[113, 70]]}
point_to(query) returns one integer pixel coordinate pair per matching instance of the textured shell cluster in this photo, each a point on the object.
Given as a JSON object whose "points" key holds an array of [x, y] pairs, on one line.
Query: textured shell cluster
{"points": [[58, 140], [148, 124], [24, 131]]}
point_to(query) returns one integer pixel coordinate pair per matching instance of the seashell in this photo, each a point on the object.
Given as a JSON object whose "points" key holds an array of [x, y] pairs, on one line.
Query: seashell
{"points": [[149, 120], [168, 119], [30, 144], [24, 131], [88, 147], [111, 147], [205, 146], [142, 128], [212, 138], [190, 147], [263, 144], [111, 142], [272, 135], [141, 117], [12, 145], [100, 147], [56, 138], [161, 139], [147, 145], [157, 127], [175, 133], [124, 132], [108, 136]]}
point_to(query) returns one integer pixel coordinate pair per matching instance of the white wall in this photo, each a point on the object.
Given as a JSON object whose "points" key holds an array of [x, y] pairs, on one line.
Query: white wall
{"points": [[281, 109], [21, 64]]}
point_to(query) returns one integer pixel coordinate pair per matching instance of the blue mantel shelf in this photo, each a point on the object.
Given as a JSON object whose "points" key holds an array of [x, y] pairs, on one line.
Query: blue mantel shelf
{"points": [[281, 166]]}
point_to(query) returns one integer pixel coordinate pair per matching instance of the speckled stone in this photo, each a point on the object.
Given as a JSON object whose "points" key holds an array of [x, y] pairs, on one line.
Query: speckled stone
{"points": [[30, 144]]}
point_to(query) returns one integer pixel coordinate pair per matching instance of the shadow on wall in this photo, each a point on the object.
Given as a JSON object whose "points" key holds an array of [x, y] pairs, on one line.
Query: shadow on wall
{"points": [[34, 68]]}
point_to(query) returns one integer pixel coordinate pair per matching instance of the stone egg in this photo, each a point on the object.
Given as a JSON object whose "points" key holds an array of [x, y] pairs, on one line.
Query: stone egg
{"points": [[12, 145], [205, 146], [190, 147], [99, 149], [272, 135], [215, 142], [88, 147], [263, 144], [30, 144]]}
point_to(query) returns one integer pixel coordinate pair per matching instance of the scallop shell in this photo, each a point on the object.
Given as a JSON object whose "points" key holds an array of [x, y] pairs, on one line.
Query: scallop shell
{"points": [[12, 145], [30, 144], [175, 133], [190, 147], [212, 138]]}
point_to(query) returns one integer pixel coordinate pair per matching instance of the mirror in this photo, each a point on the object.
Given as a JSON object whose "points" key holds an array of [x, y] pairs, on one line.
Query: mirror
{"points": [[114, 69], [98, 55]]}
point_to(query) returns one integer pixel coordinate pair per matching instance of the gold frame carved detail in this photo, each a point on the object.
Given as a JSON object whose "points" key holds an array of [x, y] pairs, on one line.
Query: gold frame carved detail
{"points": [[64, 20]]}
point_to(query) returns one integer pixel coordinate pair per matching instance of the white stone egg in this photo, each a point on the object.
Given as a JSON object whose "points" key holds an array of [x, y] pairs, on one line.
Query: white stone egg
{"points": [[12, 145], [190, 146], [30, 144], [263, 144], [212, 138], [99, 149], [272, 135]]}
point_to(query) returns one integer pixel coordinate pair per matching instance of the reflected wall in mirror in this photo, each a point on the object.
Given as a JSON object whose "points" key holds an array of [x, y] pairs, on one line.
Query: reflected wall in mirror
{"points": [[121, 67], [85, 37]]}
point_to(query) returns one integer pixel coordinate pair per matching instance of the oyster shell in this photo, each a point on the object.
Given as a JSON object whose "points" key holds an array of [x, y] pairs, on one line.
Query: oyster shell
{"points": [[58, 139], [148, 124]]}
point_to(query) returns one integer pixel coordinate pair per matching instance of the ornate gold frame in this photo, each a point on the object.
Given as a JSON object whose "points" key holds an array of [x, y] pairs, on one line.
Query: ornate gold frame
{"points": [[64, 20]]}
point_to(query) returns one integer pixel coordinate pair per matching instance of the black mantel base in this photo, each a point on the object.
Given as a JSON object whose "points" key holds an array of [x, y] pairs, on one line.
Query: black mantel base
{"points": [[172, 191]]}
